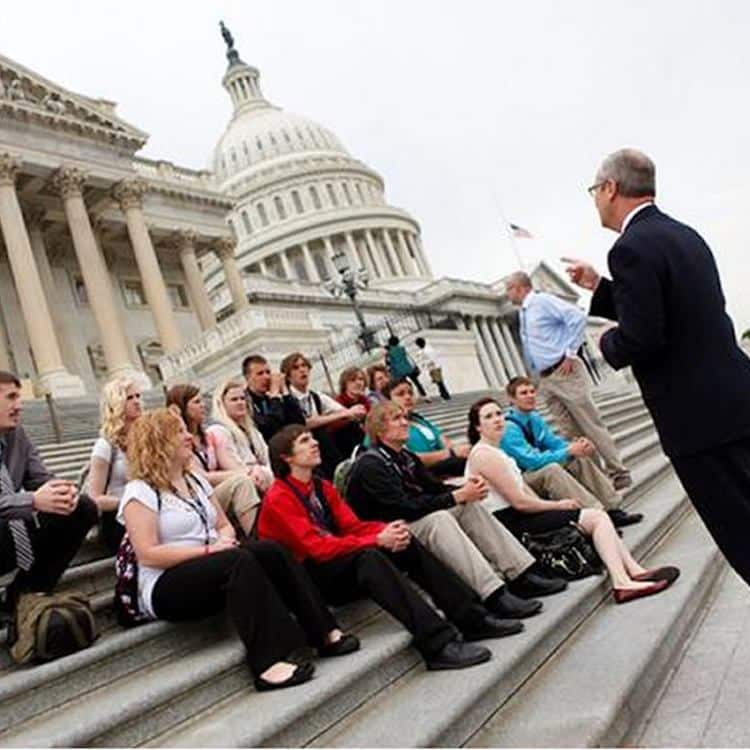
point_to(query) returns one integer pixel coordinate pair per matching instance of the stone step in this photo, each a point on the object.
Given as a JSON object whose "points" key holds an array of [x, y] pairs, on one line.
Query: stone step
{"points": [[624, 665], [386, 715]]}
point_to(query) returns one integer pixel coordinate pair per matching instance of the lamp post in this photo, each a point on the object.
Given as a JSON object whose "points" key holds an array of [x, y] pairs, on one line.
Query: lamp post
{"points": [[350, 282]]}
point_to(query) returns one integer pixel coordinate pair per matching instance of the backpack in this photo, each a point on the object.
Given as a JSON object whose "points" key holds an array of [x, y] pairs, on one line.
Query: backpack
{"points": [[48, 626], [564, 553], [127, 607], [343, 471]]}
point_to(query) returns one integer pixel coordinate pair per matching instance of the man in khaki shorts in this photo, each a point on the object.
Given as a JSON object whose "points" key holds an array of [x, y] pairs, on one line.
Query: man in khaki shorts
{"points": [[553, 467], [552, 332]]}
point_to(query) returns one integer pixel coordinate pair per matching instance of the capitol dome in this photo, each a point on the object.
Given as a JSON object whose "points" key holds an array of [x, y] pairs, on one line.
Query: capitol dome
{"points": [[301, 198]]}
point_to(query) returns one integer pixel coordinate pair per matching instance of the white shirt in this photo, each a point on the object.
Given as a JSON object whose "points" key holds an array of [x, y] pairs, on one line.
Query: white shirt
{"points": [[307, 403], [118, 470], [177, 524], [630, 216], [494, 500]]}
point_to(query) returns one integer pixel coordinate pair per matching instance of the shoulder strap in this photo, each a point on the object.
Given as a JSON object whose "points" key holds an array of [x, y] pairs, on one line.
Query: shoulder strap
{"points": [[316, 400], [525, 428]]}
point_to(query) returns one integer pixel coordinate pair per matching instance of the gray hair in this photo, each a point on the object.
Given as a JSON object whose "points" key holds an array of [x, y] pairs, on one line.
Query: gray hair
{"points": [[519, 277], [632, 170]]}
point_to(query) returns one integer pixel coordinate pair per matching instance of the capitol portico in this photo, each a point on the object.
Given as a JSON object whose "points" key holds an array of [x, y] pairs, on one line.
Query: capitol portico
{"points": [[112, 263]]}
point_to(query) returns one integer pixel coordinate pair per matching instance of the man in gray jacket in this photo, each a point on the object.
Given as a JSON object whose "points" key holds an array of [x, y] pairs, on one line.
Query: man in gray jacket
{"points": [[43, 520]]}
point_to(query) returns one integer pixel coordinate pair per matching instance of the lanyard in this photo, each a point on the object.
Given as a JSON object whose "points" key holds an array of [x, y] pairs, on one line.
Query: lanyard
{"points": [[195, 504]]}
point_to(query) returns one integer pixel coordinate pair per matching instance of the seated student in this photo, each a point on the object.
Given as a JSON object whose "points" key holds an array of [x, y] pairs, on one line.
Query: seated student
{"points": [[320, 410], [272, 405], [554, 467], [43, 520], [236, 440], [190, 564], [517, 507], [352, 386], [348, 558], [234, 489], [436, 451], [120, 406], [388, 482], [377, 379]]}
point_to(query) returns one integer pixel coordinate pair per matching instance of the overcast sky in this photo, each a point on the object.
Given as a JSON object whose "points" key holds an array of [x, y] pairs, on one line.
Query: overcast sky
{"points": [[470, 110]]}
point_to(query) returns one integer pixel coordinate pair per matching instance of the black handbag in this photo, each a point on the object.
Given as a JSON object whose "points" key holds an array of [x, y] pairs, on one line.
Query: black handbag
{"points": [[565, 552]]}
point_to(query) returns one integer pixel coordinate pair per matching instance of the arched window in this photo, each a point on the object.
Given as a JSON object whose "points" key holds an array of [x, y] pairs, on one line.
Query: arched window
{"points": [[315, 197], [232, 229], [246, 222], [279, 206], [298, 207], [332, 194], [261, 209]]}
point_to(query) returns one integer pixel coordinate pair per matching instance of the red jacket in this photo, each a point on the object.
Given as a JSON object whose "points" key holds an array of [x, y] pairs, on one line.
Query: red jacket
{"points": [[285, 519]]}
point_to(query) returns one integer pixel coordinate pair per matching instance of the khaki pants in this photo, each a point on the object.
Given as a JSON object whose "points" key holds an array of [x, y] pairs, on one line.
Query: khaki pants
{"points": [[470, 541], [580, 479], [570, 403], [238, 497]]}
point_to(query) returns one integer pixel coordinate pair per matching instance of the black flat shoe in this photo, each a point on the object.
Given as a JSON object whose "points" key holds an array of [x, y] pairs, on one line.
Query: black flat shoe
{"points": [[458, 655], [506, 606], [303, 673], [492, 627], [529, 585], [622, 518], [668, 573], [347, 644]]}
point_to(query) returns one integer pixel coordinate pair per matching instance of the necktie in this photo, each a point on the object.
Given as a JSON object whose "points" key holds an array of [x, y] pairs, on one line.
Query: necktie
{"points": [[17, 527]]}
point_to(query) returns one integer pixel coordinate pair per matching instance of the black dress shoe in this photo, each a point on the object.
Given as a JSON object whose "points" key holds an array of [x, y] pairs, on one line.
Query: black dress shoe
{"points": [[302, 673], [492, 627], [503, 604], [529, 585], [623, 518], [458, 655], [347, 644]]}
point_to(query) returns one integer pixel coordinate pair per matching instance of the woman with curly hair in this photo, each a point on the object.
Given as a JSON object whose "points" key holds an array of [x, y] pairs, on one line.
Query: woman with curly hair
{"points": [[234, 489], [520, 510], [120, 406], [190, 564]]}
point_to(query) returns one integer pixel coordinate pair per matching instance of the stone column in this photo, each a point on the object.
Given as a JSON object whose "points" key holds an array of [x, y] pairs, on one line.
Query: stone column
{"points": [[39, 327], [507, 359], [410, 263], [392, 254], [312, 270], [287, 266], [363, 253], [417, 242], [129, 194], [351, 252], [412, 241], [68, 183], [513, 348], [225, 250], [381, 268], [484, 359], [332, 272], [262, 267], [185, 244], [492, 351]]}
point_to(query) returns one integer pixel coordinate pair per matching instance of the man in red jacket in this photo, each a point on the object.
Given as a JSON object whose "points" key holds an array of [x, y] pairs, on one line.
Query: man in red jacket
{"points": [[348, 558]]}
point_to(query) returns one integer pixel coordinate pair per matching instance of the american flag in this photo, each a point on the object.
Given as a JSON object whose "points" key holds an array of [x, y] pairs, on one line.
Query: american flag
{"points": [[520, 232]]}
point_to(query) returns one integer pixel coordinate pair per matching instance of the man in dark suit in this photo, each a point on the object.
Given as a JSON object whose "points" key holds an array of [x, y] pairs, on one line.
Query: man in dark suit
{"points": [[673, 330]]}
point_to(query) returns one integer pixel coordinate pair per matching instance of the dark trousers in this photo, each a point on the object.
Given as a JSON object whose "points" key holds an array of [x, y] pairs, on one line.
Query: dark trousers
{"points": [[111, 531], [444, 393], [260, 584], [329, 453], [55, 541], [718, 484], [453, 466], [347, 438], [377, 574], [414, 377]]}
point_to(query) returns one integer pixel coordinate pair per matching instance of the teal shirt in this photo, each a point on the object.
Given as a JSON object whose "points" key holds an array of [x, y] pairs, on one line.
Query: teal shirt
{"points": [[424, 436]]}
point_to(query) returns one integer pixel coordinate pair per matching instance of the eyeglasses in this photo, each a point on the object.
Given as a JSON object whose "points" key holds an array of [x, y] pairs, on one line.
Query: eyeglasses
{"points": [[592, 190]]}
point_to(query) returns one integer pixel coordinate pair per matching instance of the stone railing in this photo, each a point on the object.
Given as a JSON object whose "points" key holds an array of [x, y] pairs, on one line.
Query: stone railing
{"points": [[164, 171], [226, 333]]}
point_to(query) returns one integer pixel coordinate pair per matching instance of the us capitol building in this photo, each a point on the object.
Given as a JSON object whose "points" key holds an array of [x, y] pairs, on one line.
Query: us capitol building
{"points": [[112, 263]]}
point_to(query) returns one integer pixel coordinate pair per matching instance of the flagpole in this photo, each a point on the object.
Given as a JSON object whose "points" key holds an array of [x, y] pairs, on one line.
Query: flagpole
{"points": [[511, 236]]}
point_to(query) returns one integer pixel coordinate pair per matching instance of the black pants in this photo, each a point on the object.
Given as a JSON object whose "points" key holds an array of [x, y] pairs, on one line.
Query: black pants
{"points": [[377, 574], [453, 466], [111, 531], [347, 438], [444, 393], [718, 484], [414, 377], [259, 584], [329, 453], [55, 541]]}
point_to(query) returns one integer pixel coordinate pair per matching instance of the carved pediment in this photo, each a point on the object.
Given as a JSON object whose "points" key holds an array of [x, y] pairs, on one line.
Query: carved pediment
{"points": [[26, 95]]}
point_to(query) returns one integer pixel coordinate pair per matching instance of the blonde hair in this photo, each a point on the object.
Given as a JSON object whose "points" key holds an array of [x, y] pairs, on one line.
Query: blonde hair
{"points": [[152, 442], [241, 433], [377, 418], [112, 409]]}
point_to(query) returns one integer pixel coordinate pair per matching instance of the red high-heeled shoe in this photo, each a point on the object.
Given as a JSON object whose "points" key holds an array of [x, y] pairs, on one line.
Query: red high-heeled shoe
{"points": [[626, 595], [668, 573]]}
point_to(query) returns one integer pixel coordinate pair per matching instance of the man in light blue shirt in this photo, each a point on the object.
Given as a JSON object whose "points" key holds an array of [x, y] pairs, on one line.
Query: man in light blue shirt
{"points": [[552, 332]]}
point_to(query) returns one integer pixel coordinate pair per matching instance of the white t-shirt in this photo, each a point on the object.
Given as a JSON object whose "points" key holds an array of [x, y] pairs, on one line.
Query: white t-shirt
{"points": [[118, 476], [178, 524], [494, 500]]}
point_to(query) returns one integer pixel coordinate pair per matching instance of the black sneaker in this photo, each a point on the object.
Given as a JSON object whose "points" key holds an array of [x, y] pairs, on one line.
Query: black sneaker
{"points": [[458, 655], [529, 585]]}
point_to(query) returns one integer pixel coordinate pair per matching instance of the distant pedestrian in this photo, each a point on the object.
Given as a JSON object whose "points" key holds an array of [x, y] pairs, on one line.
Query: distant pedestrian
{"points": [[401, 365], [434, 366]]}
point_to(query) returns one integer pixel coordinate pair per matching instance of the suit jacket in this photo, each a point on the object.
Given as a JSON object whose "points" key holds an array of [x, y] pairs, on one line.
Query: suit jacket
{"points": [[674, 331], [27, 471]]}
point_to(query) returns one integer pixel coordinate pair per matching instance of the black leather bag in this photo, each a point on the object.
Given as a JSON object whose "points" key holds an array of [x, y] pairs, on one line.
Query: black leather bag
{"points": [[565, 553]]}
